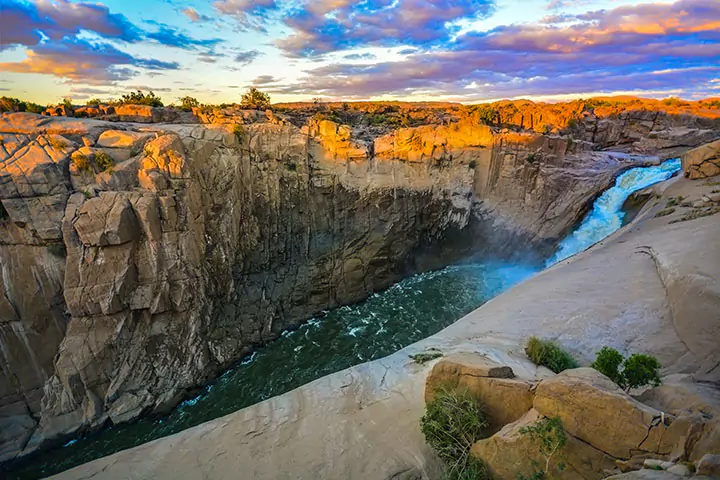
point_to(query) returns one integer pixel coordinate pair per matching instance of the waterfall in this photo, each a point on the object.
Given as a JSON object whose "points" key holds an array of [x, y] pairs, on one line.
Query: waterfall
{"points": [[606, 215]]}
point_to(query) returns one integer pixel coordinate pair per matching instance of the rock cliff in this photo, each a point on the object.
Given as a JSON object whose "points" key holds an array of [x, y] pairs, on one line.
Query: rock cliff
{"points": [[139, 260]]}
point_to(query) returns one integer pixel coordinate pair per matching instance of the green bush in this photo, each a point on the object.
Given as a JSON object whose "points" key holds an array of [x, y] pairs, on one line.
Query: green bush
{"points": [[254, 99], [93, 102], [57, 144], [549, 436], [81, 162], [140, 98], [452, 423], [424, 357], [608, 363], [239, 132], [637, 371], [9, 104], [188, 103], [104, 161], [641, 370], [549, 354]]}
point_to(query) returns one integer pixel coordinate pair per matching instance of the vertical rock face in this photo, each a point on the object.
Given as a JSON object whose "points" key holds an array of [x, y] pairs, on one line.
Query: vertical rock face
{"points": [[137, 263]]}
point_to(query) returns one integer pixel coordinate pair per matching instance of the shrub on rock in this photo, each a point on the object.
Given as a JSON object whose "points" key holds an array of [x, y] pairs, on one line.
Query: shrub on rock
{"points": [[549, 436], [452, 423], [254, 99], [637, 371], [549, 354]]}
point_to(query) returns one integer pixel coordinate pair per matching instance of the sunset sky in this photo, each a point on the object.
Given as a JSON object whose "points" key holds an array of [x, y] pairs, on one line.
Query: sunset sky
{"points": [[462, 50]]}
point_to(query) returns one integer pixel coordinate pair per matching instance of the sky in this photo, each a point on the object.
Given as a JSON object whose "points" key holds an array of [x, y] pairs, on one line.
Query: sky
{"points": [[419, 50]]}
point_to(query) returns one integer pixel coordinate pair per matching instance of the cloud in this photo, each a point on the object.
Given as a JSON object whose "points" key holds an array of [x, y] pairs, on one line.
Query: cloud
{"points": [[649, 46], [207, 58], [84, 61], [360, 56], [25, 24], [246, 57], [22, 23], [323, 26], [249, 14], [173, 37], [264, 80], [194, 15]]}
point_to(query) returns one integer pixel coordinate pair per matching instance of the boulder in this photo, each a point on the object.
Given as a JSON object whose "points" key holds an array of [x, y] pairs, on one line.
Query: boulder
{"points": [[504, 399], [509, 453], [696, 430], [702, 162], [106, 220], [709, 465], [595, 410], [123, 139], [87, 111]]}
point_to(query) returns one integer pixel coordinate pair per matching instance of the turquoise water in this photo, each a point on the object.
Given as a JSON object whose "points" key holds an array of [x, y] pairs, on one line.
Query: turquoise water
{"points": [[411, 310], [607, 214]]}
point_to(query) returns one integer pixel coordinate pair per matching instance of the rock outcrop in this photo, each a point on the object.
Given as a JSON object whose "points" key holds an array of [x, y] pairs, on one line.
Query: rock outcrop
{"points": [[702, 162], [606, 428]]}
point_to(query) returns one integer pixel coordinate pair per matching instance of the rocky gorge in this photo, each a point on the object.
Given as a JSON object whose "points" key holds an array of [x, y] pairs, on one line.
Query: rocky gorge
{"points": [[127, 282]]}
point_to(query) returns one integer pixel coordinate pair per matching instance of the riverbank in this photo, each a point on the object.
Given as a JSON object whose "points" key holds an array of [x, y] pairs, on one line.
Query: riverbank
{"points": [[650, 287]]}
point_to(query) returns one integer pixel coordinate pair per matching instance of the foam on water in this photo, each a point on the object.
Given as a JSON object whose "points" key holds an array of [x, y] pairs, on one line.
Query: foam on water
{"points": [[607, 215]]}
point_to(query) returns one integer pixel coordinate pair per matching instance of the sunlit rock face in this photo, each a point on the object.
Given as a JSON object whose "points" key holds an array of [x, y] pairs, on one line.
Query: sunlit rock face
{"points": [[138, 260]]}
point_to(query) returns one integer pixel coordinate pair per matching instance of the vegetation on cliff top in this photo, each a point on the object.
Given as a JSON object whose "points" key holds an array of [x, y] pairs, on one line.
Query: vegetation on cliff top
{"points": [[255, 99], [139, 98], [9, 104]]}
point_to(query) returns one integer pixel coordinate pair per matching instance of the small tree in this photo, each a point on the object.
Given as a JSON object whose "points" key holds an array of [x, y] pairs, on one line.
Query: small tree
{"points": [[141, 98], [549, 436], [637, 371], [254, 99], [67, 101], [93, 102], [188, 103], [641, 370], [608, 363]]}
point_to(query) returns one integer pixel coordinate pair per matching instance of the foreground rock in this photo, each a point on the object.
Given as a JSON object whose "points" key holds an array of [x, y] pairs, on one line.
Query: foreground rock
{"points": [[363, 422], [702, 162]]}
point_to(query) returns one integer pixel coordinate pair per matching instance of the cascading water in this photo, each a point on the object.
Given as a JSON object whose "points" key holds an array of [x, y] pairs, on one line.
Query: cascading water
{"points": [[411, 310], [607, 215]]}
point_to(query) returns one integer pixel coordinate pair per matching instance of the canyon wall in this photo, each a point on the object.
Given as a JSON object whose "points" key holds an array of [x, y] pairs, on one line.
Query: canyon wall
{"points": [[140, 260]]}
